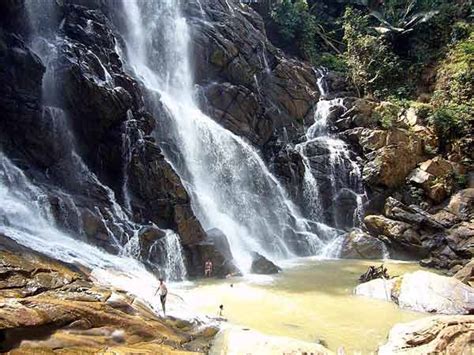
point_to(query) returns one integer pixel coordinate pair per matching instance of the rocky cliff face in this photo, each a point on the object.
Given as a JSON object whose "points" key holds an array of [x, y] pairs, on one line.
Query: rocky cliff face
{"points": [[75, 118], [425, 212], [88, 130], [78, 124], [248, 85]]}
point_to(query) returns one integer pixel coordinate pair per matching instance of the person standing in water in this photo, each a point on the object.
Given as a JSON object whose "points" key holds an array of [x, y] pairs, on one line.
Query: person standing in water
{"points": [[163, 292], [208, 268]]}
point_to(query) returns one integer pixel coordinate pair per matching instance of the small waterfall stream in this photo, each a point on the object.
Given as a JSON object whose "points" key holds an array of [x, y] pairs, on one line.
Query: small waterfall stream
{"points": [[332, 179]]}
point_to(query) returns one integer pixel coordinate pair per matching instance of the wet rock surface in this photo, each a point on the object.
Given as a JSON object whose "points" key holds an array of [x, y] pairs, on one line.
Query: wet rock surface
{"points": [[215, 248], [249, 87], [76, 120], [253, 88], [263, 266], [47, 307]]}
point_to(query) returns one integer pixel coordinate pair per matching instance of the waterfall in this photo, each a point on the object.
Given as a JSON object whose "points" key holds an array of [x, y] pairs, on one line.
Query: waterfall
{"points": [[230, 185], [73, 176], [174, 262], [328, 159]]}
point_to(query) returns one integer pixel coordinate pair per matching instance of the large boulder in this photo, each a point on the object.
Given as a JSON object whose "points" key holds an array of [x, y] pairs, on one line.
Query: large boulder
{"points": [[261, 265], [233, 340], [437, 166], [466, 274], [462, 204], [461, 239], [360, 245], [442, 237], [220, 241], [391, 154], [441, 294], [390, 165], [414, 215], [380, 289], [436, 177], [432, 335], [402, 239]]}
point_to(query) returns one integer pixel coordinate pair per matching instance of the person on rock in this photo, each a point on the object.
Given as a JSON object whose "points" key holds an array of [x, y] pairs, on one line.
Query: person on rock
{"points": [[163, 292], [208, 268]]}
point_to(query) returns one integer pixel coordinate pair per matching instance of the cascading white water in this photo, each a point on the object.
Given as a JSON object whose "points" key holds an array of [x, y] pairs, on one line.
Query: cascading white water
{"points": [[232, 188], [72, 171], [343, 173], [25, 217]]}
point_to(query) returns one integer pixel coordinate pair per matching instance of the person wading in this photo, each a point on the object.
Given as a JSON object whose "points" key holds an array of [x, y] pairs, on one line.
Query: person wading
{"points": [[163, 292], [208, 268]]}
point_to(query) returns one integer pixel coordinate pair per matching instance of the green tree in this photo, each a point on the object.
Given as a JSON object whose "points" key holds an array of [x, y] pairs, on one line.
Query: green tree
{"points": [[373, 67], [299, 27]]}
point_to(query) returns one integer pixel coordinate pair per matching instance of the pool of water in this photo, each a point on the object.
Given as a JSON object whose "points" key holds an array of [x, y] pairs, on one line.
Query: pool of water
{"points": [[310, 300]]}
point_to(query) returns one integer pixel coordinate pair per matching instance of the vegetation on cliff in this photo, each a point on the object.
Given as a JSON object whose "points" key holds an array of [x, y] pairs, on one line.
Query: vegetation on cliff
{"points": [[404, 51]]}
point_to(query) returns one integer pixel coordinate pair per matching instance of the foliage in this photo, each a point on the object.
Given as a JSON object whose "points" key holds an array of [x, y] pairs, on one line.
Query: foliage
{"points": [[461, 30], [387, 114], [462, 180], [453, 99], [369, 58], [295, 23], [287, 17], [451, 122], [299, 27], [456, 74], [332, 62], [422, 110], [399, 17], [381, 43]]}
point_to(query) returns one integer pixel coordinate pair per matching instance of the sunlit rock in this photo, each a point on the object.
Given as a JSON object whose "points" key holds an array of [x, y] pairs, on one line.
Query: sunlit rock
{"points": [[433, 335], [466, 274], [380, 289], [422, 291], [70, 312], [245, 341]]}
